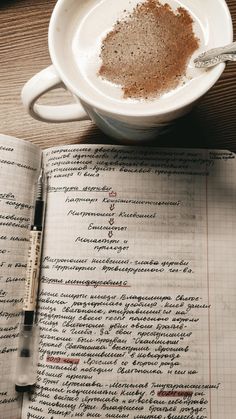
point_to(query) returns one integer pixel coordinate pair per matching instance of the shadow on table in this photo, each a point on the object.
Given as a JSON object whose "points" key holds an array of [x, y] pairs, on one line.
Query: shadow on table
{"points": [[7, 3], [186, 133]]}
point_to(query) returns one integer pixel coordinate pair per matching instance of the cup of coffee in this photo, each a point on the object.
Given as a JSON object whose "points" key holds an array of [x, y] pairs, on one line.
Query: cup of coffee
{"points": [[129, 64]]}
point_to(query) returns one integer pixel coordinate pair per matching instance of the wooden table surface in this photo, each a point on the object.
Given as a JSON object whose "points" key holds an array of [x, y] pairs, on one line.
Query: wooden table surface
{"points": [[24, 52]]}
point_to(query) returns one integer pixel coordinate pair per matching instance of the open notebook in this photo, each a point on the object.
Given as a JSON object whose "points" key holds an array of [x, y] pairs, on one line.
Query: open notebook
{"points": [[137, 305]]}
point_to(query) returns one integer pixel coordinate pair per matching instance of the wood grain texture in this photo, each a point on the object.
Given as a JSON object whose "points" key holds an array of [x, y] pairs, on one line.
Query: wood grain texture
{"points": [[24, 52]]}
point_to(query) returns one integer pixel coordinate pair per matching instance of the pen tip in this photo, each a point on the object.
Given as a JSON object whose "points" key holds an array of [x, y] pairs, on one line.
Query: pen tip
{"points": [[40, 182]]}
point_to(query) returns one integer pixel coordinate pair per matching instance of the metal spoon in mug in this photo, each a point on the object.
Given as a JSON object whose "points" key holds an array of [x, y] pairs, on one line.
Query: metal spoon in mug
{"points": [[216, 56]]}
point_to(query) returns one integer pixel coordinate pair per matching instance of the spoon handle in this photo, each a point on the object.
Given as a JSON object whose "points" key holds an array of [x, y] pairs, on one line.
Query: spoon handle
{"points": [[216, 55]]}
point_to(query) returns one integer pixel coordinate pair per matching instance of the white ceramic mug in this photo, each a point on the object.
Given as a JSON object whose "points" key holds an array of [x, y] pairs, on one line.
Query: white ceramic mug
{"points": [[84, 23]]}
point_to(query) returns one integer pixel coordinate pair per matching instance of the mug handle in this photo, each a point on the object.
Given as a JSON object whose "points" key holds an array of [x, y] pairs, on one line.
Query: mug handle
{"points": [[44, 81]]}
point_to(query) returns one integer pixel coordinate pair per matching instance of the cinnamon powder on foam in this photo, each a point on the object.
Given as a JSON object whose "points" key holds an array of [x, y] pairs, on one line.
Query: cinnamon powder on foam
{"points": [[147, 53]]}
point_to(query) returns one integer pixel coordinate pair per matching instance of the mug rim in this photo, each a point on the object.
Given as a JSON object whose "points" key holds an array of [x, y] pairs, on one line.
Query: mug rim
{"points": [[187, 101]]}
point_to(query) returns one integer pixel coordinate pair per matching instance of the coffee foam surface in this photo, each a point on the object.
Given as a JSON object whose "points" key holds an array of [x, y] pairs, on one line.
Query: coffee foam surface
{"points": [[148, 51]]}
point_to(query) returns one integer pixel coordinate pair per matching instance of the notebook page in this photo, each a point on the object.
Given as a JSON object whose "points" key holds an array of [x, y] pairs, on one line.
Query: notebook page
{"points": [[19, 163], [135, 318], [221, 248]]}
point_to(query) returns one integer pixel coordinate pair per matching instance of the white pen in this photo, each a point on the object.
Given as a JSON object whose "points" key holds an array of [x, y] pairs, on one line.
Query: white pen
{"points": [[28, 336]]}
